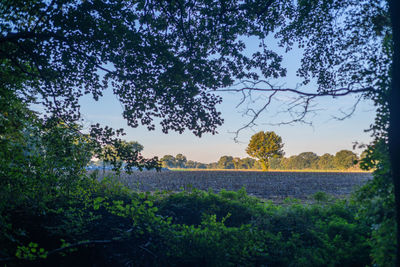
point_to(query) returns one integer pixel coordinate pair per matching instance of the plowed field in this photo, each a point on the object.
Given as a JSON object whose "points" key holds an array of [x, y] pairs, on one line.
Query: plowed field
{"points": [[268, 185]]}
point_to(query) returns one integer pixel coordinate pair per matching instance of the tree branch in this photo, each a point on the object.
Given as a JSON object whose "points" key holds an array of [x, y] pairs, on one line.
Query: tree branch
{"points": [[302, 100]]}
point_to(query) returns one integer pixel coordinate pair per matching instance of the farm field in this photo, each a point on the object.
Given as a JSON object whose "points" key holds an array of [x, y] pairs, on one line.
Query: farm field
{"points": [[274, 186]]}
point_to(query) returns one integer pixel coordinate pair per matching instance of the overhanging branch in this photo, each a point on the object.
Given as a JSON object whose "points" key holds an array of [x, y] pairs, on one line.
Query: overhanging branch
{"points": [[298, 108]]}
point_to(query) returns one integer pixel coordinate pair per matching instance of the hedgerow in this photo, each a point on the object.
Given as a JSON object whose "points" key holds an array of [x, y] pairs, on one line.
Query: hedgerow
{"points": [[106, 223]]}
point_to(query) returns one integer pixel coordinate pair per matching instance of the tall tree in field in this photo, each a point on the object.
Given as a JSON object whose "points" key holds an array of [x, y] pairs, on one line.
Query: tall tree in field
{"points": [[264, 146]]}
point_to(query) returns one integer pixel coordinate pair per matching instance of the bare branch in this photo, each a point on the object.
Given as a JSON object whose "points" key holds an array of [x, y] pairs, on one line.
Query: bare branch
{"points": [[256, 115], [347, 115], [298, 109]]}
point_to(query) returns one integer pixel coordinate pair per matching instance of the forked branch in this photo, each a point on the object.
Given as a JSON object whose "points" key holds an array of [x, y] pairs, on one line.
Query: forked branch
{"points": [[300, 106]]}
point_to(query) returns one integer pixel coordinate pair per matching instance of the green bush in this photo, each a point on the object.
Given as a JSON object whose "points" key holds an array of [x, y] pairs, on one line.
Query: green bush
{"points": [[106, 223]]}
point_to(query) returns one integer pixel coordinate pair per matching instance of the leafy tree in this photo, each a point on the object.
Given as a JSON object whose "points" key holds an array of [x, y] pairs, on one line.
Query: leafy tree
{"points": [[236, 162], [264, 146], [226, 162], [180, 161], [295, 163], [247, 163], [190, 164], [110, 154], [200, 165], [168, 161], [156, 55], [286, 163], [275, 163], [213, 165], [345, 159], [326, 162], [307, 160], [134, 146], [124, 154]]}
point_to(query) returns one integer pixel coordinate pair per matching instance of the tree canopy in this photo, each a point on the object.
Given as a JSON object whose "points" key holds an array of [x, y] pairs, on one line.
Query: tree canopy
{"points": [[345, 159], [264, 146], [162, 60]]}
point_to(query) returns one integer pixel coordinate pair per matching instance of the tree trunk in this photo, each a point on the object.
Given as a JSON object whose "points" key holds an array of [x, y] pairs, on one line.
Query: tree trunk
{"points": [[264, 164], [394, 116]]}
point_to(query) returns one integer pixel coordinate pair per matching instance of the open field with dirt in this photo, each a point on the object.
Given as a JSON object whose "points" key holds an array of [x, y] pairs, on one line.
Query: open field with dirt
{"points": [[268, 185]]}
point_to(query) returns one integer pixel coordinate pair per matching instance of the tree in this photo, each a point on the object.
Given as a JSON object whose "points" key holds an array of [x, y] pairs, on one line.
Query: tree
{"points": [[344, 159], [237, 162], [156, 56], [264, 146], [305, 160], [190, 164], [180, 161], [226, 162], [393, 111], [360, 56], [168, 161], [135, 146], [311, 158], [275, 163], [325, 162], [247, 163], [123, 154], [213, 165], [162, 60], [200, 165]]}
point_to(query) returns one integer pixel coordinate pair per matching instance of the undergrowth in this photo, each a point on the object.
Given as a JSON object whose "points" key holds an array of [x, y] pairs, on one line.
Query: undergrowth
{"points": [[105, 223]]}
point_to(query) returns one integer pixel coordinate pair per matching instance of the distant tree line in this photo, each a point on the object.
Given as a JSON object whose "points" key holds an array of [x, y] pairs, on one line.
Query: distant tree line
{"points": [[342, 160]]}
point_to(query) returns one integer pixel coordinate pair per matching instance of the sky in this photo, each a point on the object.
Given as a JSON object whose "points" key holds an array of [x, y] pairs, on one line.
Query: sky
{"points": [[326, 135]]}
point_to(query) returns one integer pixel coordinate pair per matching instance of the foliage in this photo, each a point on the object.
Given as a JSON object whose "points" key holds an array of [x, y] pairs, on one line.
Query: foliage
{"points": [[168, 161], [226, 162], [125, 155], [39, 158], [180, 160], [155, 55], [326, 162], [264, 146], [343, 160], [225, 229], [376, 200]]}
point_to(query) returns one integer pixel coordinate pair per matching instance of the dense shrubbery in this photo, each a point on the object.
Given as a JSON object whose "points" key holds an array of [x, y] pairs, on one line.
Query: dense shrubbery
{"points": [[104, 223]]}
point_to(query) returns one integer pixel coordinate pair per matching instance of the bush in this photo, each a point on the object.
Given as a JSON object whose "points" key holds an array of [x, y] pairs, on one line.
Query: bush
{"points": [[105, 223]]}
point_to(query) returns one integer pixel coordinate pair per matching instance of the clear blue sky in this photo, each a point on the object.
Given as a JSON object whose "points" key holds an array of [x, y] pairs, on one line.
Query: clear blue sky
{"points": [[327, 135]]}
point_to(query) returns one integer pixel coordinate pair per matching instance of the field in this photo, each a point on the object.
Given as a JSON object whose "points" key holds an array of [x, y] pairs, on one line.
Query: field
{"points": [[268, 185]]}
